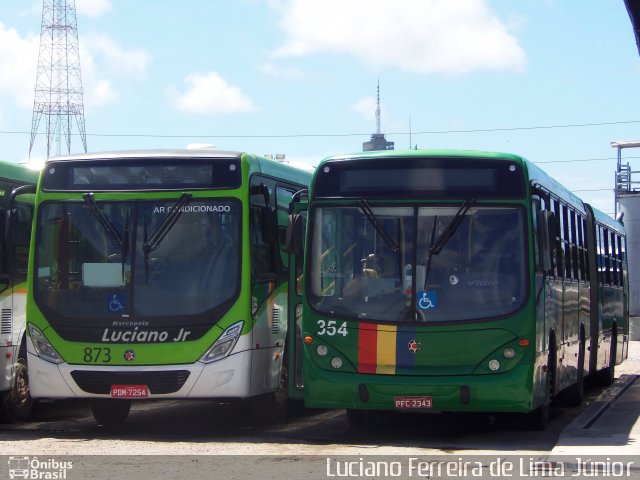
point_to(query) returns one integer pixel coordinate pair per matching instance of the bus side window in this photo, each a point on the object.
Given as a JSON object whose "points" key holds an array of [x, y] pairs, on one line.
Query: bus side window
{"points": [[20, 228], [283, 199]]}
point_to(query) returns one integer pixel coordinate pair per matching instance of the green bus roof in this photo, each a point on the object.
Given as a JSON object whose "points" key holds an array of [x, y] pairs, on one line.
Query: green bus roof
{"points": [[19, 171]]}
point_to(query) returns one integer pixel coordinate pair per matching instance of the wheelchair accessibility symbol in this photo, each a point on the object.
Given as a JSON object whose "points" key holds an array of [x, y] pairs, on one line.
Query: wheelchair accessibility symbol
{"points": [[115, 302], [427, 300]]}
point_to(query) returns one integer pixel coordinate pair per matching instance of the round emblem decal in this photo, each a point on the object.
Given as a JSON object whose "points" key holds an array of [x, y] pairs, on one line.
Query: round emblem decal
{"points": [[129, 355], [414, 346]]}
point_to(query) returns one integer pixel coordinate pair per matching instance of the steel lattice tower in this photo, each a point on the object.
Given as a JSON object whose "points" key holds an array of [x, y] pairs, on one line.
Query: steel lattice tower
{"points": [[58, 90]]}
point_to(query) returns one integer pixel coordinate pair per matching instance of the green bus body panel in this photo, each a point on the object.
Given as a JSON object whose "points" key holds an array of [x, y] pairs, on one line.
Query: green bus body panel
{"points": [[507, 392], [448, 358], [21, 173], [178, 352], [425, 350]]}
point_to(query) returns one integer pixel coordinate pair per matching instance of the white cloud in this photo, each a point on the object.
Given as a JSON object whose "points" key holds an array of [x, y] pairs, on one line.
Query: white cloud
{"points": [[33, 9], [98, 55], [100, 92], [288, 73], [424, 36], [18, 61], [365, 106], [122, 61], [93, 8], [209, 93]]}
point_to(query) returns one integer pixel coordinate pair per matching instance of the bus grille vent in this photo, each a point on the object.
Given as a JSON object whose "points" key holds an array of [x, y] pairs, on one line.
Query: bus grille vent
{"points": [[275, 320], [159, 382], [5, 322]]}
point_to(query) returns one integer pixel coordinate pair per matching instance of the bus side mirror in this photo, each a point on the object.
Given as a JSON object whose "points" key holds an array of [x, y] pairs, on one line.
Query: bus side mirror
{"points": [[18, 229], [263, 190], [295, 233], [546, 239], [269, 224]]}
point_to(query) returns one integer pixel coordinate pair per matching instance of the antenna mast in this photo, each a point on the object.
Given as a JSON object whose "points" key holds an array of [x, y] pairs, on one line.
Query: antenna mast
{"points": [[378, 140], [58, 89], [378, 128]]}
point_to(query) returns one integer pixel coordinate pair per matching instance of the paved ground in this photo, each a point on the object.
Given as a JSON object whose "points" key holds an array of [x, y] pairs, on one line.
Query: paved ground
{"points": [[611, 424], [200, 440]]}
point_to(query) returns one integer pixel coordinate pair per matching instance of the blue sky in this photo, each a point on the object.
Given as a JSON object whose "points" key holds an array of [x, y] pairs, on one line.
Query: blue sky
{"points": [[299, 77]]}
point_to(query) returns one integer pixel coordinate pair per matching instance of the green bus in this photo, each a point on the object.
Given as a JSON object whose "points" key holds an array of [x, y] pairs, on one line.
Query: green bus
{"points": [[452, 281], [161, 274], [16, 213]]}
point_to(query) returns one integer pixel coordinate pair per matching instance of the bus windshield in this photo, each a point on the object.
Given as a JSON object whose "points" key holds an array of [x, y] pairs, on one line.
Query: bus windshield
{"points": [[479, 272], [94, 262]]}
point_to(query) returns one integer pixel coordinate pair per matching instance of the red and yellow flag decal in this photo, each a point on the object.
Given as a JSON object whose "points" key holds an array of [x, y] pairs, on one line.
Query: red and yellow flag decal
{"points": [[382, 349]]}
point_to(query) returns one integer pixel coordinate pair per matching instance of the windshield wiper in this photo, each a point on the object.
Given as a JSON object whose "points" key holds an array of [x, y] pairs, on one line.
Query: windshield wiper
{"points": [[104, 221], [366, 209], [150, 244], [119, 241], [438, 245], [167, 224], [451, 228]]}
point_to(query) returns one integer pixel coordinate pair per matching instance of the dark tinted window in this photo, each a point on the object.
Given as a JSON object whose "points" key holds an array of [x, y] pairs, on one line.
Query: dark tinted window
{"points": [[440, 178], [142, 174]]}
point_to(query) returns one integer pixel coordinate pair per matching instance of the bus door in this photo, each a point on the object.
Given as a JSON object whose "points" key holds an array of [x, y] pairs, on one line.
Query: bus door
{"points": [[295, 247], [15, 225]]}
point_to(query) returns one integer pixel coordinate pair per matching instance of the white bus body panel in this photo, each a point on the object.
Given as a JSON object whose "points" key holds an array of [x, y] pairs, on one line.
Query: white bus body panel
{"points": [[12, 327], [226, 378]]}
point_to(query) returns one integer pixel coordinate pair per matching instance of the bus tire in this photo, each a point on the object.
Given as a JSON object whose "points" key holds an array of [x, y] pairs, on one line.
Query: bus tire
{"points": [[574, 395], [538, 419], [17, 404], [360, 419], [110, 412], [607, 375], [273, 408]]}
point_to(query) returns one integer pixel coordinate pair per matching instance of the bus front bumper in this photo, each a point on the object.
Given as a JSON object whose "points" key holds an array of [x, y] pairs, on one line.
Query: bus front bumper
{"points": [[507, 392], [222, 379]]}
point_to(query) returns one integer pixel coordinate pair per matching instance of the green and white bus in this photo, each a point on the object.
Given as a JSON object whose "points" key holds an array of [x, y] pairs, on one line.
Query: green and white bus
{"points": [[453, 281], [161, 274], [16, 213]]}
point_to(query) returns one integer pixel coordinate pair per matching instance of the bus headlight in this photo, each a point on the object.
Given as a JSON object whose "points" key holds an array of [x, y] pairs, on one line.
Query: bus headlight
{"points": [[223, 346], [509, 353], [43, 347], [494, 365]]}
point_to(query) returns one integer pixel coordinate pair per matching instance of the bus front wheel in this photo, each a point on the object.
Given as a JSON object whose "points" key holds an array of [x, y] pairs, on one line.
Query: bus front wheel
{"points": [[272, 408], [108, 412], [362, 419], [16, 404], [538, 419]]}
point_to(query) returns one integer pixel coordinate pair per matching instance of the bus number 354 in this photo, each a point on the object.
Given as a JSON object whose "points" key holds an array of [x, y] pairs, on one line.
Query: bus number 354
{"points": [[329, 328]]}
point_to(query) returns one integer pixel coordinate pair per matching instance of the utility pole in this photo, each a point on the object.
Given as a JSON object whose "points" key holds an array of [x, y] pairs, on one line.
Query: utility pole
{"points": [[58, 89]]}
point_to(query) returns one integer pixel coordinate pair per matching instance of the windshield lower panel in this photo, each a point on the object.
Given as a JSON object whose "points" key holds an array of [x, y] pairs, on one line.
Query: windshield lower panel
{"points": [[378, 266], [96, 268]]}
